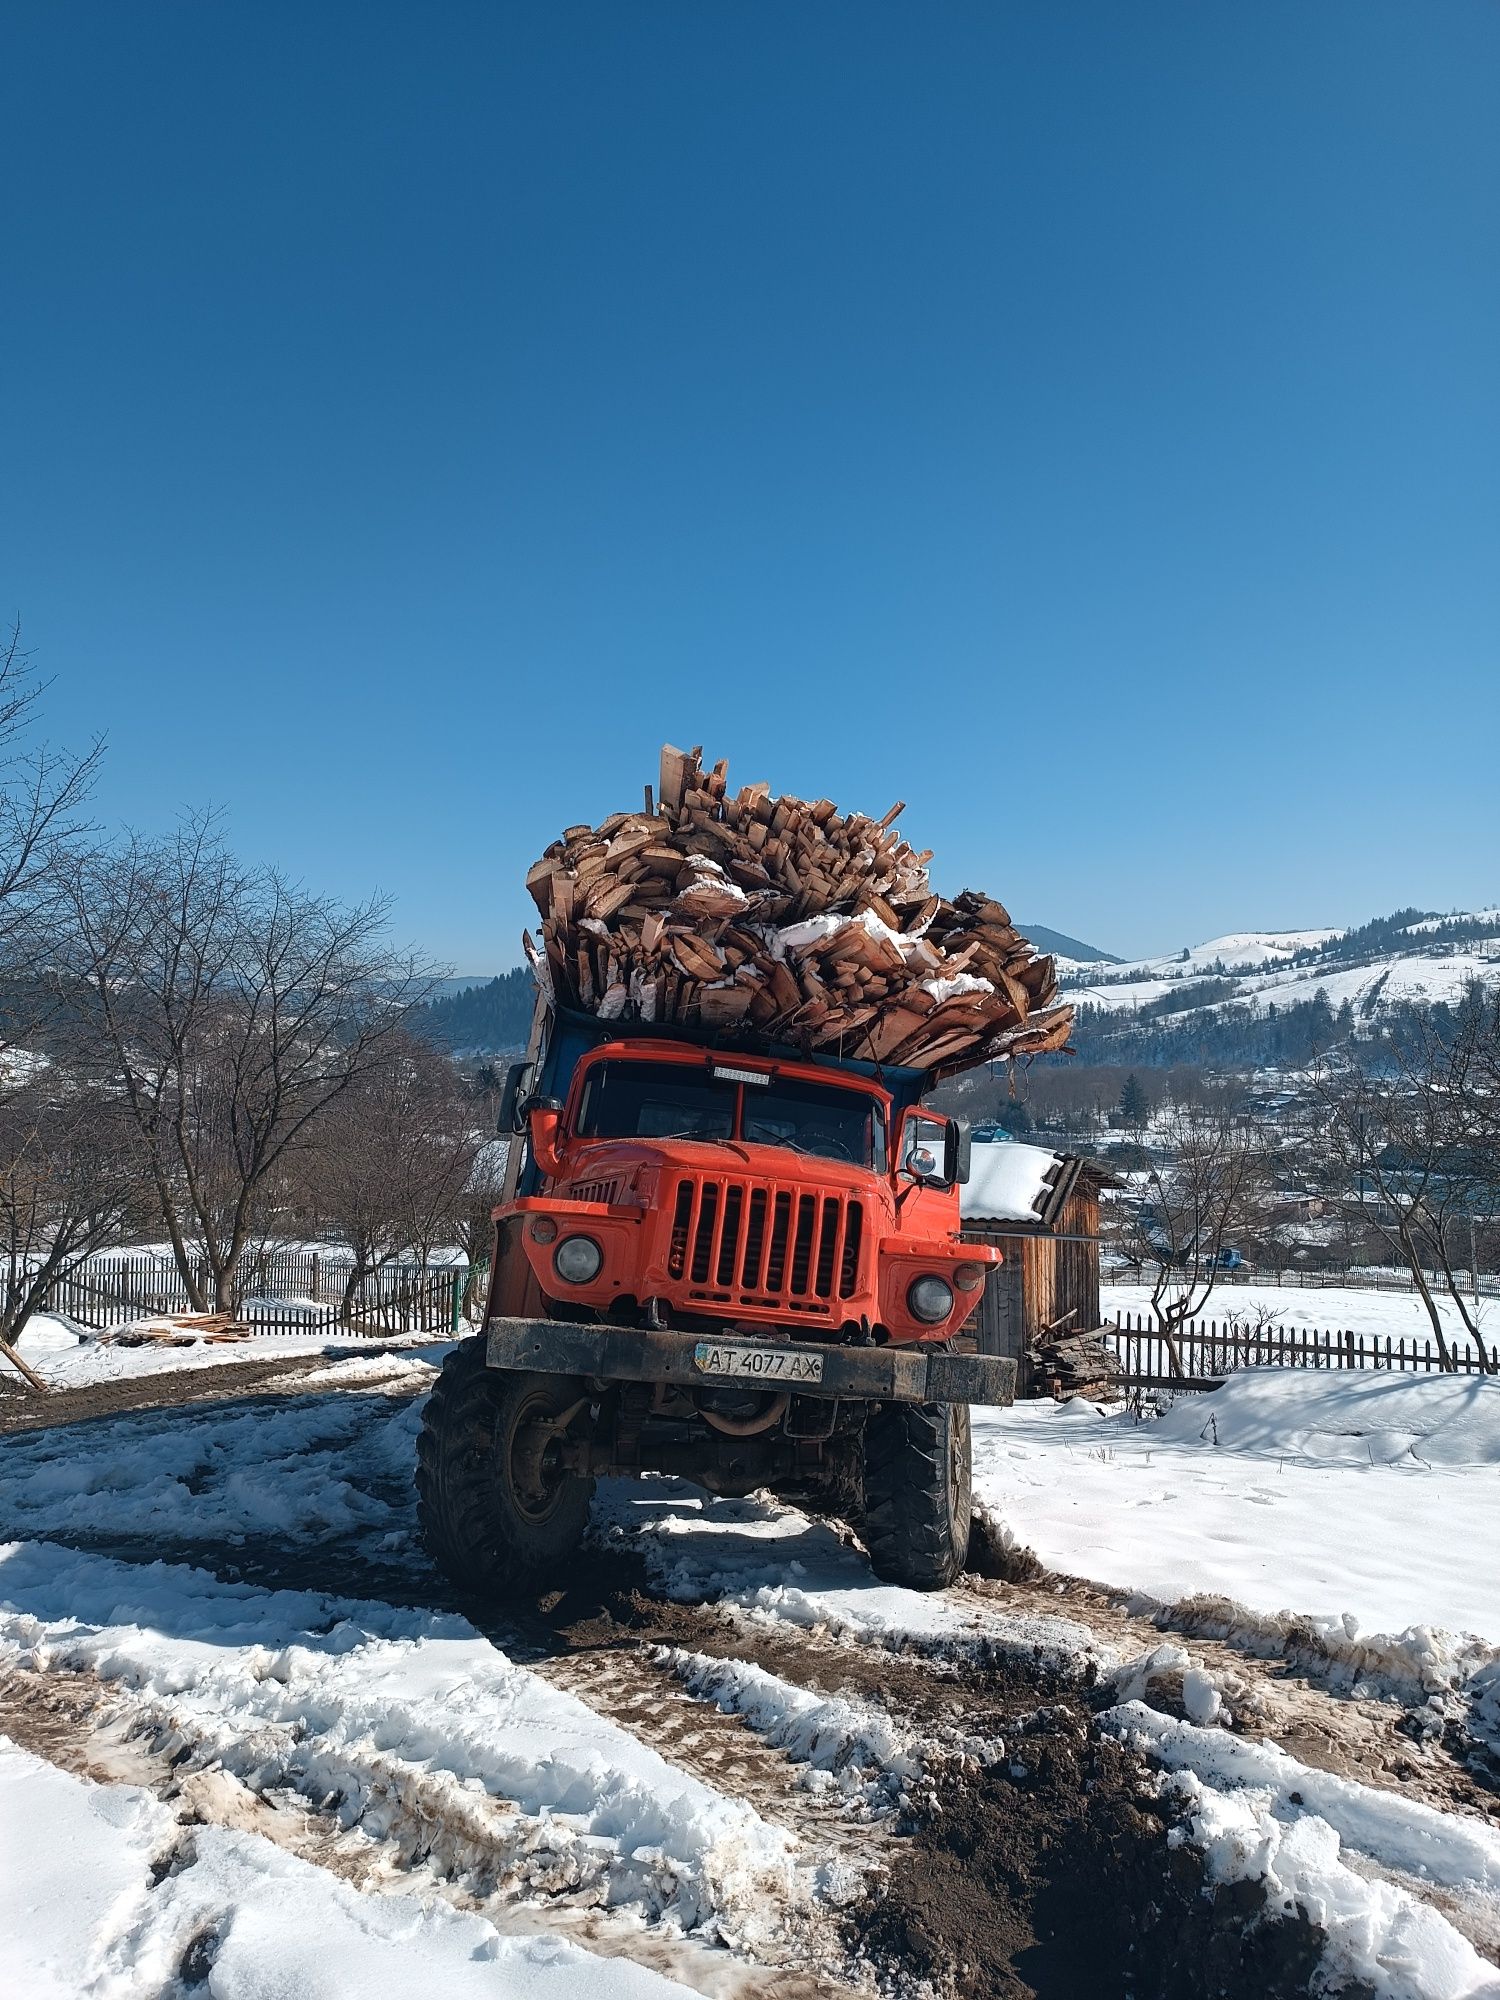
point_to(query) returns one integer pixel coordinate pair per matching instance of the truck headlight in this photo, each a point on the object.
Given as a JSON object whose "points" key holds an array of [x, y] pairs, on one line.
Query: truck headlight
{"points": [[577, 1260], [930, 1299]]}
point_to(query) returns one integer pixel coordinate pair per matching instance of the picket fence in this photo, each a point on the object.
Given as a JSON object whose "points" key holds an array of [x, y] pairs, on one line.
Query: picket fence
{"points": [[1357, 1278], [276, 1292], [1208, 1352]]}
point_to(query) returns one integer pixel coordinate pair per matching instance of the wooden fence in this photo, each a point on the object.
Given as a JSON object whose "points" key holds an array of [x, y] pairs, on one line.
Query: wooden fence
{"points": [[1207, 1352], [1359, 1278], [279, 1292]]}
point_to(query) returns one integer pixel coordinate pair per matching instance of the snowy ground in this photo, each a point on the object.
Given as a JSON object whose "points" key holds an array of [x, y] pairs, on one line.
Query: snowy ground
{"points": [[275, 1671], [255, 1922], [68, 1357], [1334, 1308], [1341, 1501]]}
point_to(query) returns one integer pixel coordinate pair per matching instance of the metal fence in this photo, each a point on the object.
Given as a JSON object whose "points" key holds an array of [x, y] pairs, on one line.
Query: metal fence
{"points": [[275, 1292], [1206, 1353]]}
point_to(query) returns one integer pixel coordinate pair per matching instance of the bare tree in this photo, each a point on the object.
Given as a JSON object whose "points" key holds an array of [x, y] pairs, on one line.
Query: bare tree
{"points": [[233, 1009], [1456, 1071], [389, 1165], [68, 1186], [42, 793], [1387, 1143], [482, 1195], [1186, 1211]]}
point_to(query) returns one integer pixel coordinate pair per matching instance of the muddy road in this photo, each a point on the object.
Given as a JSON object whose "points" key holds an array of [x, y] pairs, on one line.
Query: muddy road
{"points": [[995, 1839]]}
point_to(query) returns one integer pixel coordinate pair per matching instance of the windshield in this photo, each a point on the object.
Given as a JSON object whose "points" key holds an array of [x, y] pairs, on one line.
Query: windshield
{"points": [[646, 1100], [817, 1118]]}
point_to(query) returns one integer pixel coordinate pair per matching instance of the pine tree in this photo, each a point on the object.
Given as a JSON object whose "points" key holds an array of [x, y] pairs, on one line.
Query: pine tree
{"points": [[1134, 1107]]}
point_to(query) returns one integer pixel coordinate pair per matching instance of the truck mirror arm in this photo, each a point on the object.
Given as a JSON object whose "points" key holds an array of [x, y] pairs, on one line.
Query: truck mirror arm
{"points": [[518, 1081]]}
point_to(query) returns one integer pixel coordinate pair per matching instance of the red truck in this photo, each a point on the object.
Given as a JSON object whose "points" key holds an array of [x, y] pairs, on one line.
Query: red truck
{"points": [[733, 1263]]}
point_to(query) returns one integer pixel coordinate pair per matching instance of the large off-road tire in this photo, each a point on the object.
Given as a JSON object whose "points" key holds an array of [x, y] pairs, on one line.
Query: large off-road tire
{"points": [[918, 1497], [495, 1517]]}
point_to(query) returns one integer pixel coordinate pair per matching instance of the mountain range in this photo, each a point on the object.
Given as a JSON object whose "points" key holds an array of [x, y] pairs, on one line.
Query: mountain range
{"points": [[1254, 997], [1248, 996]]}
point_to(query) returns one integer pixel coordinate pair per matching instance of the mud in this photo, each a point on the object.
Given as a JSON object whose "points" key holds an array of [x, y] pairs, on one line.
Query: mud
{"points": [[1300, 1701], [23, 1409], [1051, 1876]]}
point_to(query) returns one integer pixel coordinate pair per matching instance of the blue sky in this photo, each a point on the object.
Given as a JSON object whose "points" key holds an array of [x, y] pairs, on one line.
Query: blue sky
{"points": [[1080, 420]]}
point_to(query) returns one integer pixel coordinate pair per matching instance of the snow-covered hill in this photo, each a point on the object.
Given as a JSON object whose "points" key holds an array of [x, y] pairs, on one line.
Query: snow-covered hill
{"points": [[1409, 958]]}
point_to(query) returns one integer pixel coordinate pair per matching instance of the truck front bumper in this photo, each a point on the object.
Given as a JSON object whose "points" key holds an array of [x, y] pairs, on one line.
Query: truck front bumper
{"points": [[857, 1374]]}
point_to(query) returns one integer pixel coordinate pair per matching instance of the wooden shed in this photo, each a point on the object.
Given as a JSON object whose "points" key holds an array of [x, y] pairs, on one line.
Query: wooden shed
{"points": [[1041, 1210]]}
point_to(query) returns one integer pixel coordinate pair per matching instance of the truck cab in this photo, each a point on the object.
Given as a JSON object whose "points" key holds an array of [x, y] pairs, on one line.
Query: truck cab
{"points": [[681, 1186]]}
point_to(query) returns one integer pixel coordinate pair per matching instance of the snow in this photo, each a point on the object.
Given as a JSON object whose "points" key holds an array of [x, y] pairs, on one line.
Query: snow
{"points": [[1413, 976], [1336, 1513], [1238, 949], [69, 1887], [63, 1358], [1258, 1814], [298, 1470], [1007, 1182], [404, 1714], [1447, 1848], [955, 983], [1406, 976], [1434, 971], [1280, 1504], [79, 1913], [848, 1746], [1382, 1315], [1346, 1419], [1489, 916], [769, 1564]]}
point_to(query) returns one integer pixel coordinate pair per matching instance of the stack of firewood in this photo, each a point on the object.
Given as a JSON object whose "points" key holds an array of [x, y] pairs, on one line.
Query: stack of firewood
{"points": [[1076, 1364], [788, 921]]}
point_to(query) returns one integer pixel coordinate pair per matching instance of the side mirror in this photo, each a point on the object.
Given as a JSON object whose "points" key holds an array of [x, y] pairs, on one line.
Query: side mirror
{"points": [[519, 1079], [926, 1148], [543, 1117], [957, 1150]]}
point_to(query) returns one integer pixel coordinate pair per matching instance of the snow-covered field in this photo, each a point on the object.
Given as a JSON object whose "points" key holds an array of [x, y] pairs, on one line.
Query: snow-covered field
{"points": [[1383, 1315], [1344, 1500], [477, 1800]]}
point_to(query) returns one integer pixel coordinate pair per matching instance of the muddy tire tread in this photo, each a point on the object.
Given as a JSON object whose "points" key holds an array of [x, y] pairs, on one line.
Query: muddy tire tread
{"points": [[473, 1536], [909, 1524]]}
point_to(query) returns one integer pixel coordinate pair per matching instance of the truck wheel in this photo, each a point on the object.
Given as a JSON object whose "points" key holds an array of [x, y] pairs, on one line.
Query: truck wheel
{"points": [[917, 1493], [495, 1515]]}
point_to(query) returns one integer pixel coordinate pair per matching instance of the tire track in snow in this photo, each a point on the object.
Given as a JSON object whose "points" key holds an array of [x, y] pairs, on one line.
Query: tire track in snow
{"points": [[76, 1722], [405, 1741], [748, 1582]]}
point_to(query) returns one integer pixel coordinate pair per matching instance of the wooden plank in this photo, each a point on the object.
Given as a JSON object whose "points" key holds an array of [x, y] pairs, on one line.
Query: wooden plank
{"points": [[672, 776]]}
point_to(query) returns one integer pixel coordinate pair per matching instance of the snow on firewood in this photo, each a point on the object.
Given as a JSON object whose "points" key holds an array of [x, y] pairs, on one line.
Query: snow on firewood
{"points": [[788, 920]]}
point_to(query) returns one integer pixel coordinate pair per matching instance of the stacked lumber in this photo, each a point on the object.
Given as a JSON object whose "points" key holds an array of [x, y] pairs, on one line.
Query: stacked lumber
{"points": [[185, 1329], [1076, 1364], [783, 920]]}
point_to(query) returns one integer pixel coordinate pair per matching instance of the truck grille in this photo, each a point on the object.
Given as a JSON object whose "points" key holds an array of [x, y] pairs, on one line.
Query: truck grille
{"points": [[765, 1246]]}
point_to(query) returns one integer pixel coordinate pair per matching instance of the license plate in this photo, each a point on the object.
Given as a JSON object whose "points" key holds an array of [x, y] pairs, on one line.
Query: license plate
{"points": [[758, 1364]]}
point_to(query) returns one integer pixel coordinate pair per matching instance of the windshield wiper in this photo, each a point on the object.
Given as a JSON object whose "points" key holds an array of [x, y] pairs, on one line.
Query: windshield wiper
{"points": [[769, 1139], [707, 1139]]}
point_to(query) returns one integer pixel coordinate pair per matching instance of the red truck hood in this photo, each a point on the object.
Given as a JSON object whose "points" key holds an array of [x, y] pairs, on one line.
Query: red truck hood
{"points": [[623, 1160]]}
